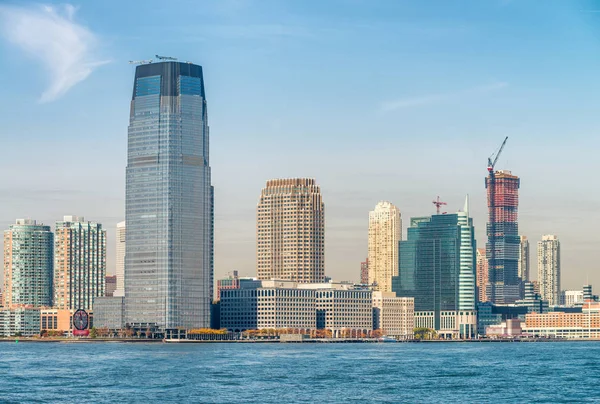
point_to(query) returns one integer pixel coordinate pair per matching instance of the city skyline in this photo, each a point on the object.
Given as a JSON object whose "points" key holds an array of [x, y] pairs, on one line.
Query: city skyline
{"points": [[96, 187]]}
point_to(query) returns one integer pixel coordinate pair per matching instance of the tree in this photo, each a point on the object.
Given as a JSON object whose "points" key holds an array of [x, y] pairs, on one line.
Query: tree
{"points": [[93, 332], [423, 333]]}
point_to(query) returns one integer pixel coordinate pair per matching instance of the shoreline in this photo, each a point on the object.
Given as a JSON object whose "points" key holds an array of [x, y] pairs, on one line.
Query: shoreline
{"points": [[273, 341]]}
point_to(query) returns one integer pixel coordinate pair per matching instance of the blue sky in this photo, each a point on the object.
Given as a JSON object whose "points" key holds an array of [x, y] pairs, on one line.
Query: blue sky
{"points": [[377, 100]]}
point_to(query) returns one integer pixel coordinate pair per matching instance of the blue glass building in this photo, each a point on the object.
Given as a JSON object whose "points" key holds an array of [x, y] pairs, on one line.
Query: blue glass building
{"points": [[437, 269], [169, 200]]}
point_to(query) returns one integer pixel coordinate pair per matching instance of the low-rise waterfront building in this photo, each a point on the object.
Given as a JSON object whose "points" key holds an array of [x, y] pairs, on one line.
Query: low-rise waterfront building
{"points": [[508, 328], [288, 304], [20, 321], [395, 316], [60, 321], [109, 312], [584, 325]]}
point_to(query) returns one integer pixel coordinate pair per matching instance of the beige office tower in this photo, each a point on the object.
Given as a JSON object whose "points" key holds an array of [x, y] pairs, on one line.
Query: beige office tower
{"points": [[120, 261], [549, 269], [385, 233], [290, 231], [482, 274], [523, 267]]}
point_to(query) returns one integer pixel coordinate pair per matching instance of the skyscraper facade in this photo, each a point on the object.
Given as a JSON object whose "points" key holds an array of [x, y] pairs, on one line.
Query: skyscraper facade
{"points": [[28, 254], [169, 199], [502, 249], [437, 268], [549, 269], [482, 274], [120, 260], [523, 268], [385, 232], [290, 231], [79, 263], [364, 272]]}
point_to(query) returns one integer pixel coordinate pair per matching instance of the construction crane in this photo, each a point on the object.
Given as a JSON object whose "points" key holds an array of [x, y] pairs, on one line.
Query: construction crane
{"points": [[492, 164], [491, 228], [165, 57], [438, 204], [140, 62]]}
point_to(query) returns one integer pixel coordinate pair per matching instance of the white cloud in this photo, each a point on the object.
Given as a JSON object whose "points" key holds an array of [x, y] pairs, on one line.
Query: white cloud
{"points": [[51, 36], [389, 106]]}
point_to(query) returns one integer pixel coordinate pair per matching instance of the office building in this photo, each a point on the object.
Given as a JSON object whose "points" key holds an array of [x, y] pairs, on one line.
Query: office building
{"points": [[234, 281], [169, 200], [532, 301], [394, 316], [385, 232], [364, 272], [437, 269], [109, 312], [587, 293], [60, 321], [20, 322], [290, 231], [482, 274], [288, 304], [558, 324], [28, 254], [523, 265], [549, 269], [79, 263], [120, 259], [571, 298], [504, 284], [110, 285]]}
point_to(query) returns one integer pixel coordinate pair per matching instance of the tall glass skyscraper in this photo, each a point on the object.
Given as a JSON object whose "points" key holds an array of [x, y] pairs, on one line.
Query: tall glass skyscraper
{"points": [[437, 269], [169, 199]]}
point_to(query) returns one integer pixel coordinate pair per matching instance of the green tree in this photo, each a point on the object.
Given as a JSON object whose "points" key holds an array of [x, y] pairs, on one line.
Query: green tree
{"points": [[93, 332]]}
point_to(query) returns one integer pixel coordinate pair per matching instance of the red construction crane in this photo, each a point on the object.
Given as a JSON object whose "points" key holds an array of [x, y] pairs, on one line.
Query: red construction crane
{"points": [[438, 204]]}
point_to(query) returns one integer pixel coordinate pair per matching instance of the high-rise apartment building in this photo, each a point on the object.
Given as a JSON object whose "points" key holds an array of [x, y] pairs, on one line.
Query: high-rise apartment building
{"points": [[290, 231], [385, 232], [502, 249], [169, 199], [549, 269], [79, 263], [120, 260], [523, 266], [28, 254], [364, 272], [437, 268], [482, 274]]}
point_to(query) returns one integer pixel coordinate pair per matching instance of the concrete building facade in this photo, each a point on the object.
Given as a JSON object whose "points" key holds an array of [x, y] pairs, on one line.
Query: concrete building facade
{"points": [[385, 232], [290, 231], [395, 316], [79, 263], [28, 264], [549, 269], [482, 274], [524, 261], [288, 304]]}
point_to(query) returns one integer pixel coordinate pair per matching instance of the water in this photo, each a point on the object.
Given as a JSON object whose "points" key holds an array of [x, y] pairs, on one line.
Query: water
{"points": [[286, 373]]}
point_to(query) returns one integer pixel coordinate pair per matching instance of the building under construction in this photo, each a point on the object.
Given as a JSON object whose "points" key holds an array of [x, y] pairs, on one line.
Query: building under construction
{"points": [[502, 249]]}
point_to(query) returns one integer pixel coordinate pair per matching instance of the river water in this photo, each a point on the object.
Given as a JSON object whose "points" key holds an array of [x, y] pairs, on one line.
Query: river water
{"points": [[288, 373]]}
